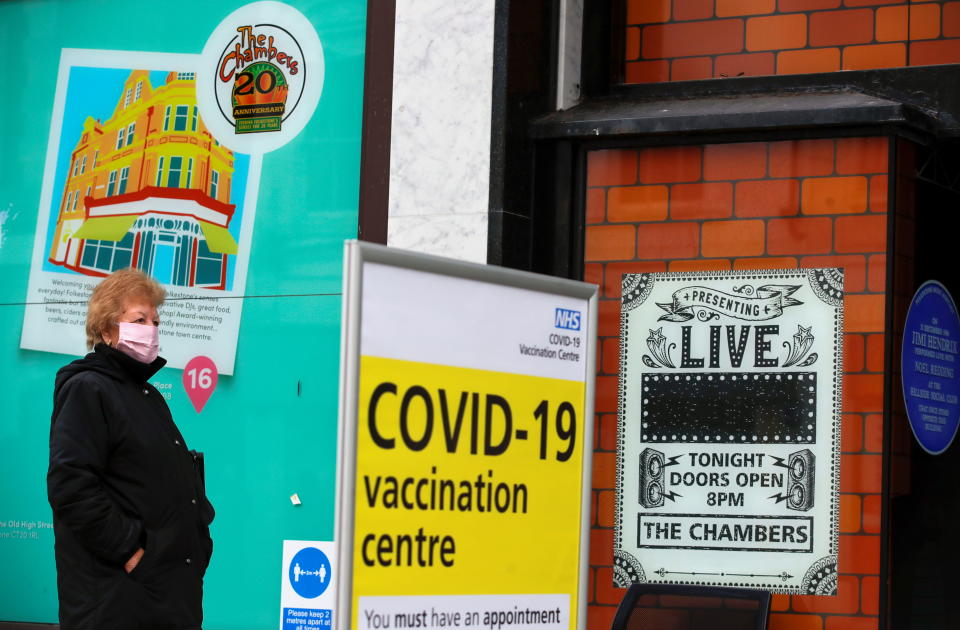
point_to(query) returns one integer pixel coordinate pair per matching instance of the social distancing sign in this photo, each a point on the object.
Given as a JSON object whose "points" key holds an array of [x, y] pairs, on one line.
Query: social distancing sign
{"points": [[467, 482], [307, 591]]}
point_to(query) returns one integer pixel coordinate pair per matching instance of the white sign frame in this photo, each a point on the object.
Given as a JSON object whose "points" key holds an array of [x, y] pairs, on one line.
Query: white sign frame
{"points": [[358, 254], [705, 497]]}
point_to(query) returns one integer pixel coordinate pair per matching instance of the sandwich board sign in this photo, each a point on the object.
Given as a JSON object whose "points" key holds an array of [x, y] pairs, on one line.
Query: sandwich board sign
{"points": [[729, 429], [466, 426]]}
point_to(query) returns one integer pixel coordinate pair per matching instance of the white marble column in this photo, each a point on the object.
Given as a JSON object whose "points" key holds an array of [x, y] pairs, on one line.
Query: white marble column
{"points": [[570, 43], [440, 129]]}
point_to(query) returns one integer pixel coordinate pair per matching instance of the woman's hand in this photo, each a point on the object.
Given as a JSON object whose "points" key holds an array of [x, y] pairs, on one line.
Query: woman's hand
{"points": [[133, 561]]}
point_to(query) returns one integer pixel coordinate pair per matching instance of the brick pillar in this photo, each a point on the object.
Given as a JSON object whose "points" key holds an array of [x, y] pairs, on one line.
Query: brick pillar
{"points": [[762, 205]]}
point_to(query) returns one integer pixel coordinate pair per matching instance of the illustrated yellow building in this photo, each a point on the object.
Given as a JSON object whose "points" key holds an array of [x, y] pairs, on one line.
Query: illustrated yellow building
{"points": [[148, 188]]}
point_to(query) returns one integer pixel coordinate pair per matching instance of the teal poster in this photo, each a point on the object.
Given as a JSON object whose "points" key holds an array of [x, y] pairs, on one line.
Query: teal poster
{"points": [[216, 146]]}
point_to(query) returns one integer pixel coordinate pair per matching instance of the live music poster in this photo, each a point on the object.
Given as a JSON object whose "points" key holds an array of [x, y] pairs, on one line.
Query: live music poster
{"points": [[729, 429]]}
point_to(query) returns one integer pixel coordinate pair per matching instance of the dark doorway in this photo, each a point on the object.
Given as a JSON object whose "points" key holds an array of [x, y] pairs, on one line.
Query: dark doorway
{"points": [[924, 488]]}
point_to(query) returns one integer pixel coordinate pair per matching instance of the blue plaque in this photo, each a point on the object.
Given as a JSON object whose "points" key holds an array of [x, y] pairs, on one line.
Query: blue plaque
{"points": [[928, 367]]}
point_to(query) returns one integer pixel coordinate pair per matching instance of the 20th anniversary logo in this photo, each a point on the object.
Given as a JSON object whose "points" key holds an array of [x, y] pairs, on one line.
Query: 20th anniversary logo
{"points": [[261, 77], [255, 76]]}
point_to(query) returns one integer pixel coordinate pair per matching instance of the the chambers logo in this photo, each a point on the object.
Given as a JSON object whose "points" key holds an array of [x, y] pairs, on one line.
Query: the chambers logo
{"points": [[566, 318], [255, 76], [261, 77]]}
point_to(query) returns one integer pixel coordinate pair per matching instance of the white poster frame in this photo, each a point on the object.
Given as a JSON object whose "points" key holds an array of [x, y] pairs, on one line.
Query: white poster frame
{"points": [[757, 410], [356, 255]]}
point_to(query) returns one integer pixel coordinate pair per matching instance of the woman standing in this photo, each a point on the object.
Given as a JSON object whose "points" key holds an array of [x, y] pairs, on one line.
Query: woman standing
{"points": [[130, 513]]}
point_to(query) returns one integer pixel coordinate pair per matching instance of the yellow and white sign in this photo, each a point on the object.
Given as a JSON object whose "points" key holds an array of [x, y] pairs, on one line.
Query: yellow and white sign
{"points": [[466, 479]]}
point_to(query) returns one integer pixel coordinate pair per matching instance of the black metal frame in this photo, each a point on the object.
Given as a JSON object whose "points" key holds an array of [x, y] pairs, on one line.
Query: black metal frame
{"points": [[524, 51], [636, 591]]}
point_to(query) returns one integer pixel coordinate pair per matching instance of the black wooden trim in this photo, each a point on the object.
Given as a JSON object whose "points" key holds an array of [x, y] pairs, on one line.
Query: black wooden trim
{"points": [[800, 110], [557, 222], [524, 78], [920, 100], [496, 229], [11, 625], [921, 85], [377, 112], [578, 211], [889, 385]]}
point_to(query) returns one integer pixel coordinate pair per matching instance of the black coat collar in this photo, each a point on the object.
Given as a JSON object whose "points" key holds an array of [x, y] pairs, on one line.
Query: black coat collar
{"points": [[140, 372]]}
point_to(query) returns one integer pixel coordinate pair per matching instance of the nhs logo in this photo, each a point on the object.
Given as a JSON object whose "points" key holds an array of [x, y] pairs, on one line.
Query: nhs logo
{"points": [[565, 318]]}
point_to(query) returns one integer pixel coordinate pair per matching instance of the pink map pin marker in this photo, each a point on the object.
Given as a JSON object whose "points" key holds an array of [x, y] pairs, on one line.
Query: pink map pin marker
{"points": [[199, 379]]}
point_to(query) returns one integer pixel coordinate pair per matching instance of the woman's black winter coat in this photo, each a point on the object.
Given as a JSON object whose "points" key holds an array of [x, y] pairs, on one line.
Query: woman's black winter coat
{"points": [[121, 478]]}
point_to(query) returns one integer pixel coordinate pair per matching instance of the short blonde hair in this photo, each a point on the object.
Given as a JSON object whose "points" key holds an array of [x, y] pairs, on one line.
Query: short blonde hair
{"points": [[108, 299]]}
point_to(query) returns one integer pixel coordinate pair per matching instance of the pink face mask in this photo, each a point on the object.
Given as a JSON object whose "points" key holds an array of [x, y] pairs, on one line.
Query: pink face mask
{"points": [[139, 341]]}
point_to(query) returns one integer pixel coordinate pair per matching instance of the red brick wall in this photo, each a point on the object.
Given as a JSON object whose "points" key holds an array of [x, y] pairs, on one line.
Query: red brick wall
{"points": [[805, 203], [679, 40]]}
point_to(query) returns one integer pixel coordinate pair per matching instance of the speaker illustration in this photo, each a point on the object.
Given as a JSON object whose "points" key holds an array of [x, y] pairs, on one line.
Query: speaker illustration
{"points": [[800, 474], [651, 478]]}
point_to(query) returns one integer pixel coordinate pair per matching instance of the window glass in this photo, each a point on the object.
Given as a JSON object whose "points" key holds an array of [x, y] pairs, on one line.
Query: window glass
{"points": [[124, 172], [146, 251], [121, 259], [123, 252], [89, 253], [173, 175], [104, 257], [180, 121], [209, 265], [108, 255], [182, 263]]}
